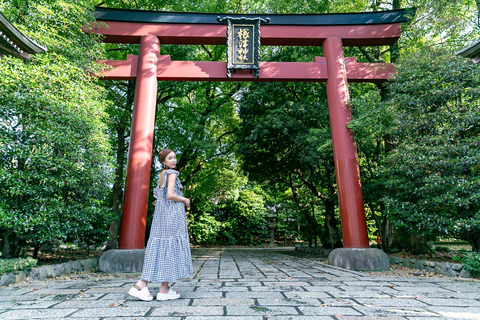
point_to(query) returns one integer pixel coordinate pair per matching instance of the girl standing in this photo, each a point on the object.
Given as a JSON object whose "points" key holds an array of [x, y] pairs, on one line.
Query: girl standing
{"points": [[167, 256]]}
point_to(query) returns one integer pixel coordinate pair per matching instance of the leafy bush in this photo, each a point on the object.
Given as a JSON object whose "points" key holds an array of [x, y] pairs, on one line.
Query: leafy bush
{"points": [[442, 249], [457, 259], [205, 229], [432, 177], [238, 220], [472, 263], [13, 265], [245, 218]]}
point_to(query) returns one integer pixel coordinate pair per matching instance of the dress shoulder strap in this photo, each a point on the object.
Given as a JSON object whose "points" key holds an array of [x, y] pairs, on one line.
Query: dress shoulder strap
{"points": [[164, 180]]}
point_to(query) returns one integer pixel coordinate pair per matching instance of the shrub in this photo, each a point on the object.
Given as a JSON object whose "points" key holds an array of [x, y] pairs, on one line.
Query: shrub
{"points": [[457, 259], [442, 249], [432, 177], [14, 265], [205, 229], [472, 263]]}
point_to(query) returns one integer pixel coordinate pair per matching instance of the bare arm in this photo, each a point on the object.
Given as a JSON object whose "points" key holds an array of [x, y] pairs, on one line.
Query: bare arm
{"points": [[171, 177]]}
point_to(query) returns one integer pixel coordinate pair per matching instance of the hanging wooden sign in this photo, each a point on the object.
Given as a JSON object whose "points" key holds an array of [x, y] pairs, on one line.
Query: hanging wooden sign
{"points": [[243, 44]]}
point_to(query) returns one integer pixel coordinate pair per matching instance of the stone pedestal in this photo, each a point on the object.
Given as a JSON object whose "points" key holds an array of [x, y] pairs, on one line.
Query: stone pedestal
{"points": [[361, 259], [122, 261]]}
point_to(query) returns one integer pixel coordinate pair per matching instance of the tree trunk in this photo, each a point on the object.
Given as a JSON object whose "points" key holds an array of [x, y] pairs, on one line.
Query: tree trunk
{"points": [[310, 218], [35, 251], [117, 189], [389, 234], [311, 229], [478, 9], [475, 242], [13, 246], [6, 244], [332, 238], [316, 232], [385, 227]]}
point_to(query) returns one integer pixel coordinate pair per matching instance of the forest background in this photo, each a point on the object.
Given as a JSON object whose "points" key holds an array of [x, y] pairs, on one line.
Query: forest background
{"points": [[246, 150]]}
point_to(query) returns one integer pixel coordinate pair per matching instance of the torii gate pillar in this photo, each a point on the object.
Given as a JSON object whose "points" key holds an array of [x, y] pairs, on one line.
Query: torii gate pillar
{"points": [[137, 181], [356, 253], [347, 173]]}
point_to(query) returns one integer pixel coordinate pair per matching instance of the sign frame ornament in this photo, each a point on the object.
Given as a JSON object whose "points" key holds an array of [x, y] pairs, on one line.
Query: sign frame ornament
{"points": [[243, 43]]}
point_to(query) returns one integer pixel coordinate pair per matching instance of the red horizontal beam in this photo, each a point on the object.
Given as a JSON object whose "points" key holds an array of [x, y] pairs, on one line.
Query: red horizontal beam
{"points": [[353, 35], [368, 72], [168, 70]]}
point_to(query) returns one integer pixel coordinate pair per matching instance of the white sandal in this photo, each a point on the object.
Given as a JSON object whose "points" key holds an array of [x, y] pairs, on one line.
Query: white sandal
{"points": [[143, 294], [170, 295]]}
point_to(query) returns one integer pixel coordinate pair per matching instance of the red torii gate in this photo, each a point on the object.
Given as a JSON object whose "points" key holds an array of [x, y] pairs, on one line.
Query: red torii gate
{"points": [[332, 31]]}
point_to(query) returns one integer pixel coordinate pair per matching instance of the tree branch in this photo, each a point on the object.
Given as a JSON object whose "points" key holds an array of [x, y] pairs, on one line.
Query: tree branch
{"points": [[190, 176], [311, 186], [295, 94], [208, 52], [224, 134], [366, 54]]}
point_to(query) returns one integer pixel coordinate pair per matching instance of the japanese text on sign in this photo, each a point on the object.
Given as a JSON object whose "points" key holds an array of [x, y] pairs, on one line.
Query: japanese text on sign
{"points": [[243, 38]]}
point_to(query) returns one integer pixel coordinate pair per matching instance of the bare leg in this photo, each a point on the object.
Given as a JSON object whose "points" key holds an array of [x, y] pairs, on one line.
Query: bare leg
{"points": [[164, 293], [141, 284], [164, 287]]}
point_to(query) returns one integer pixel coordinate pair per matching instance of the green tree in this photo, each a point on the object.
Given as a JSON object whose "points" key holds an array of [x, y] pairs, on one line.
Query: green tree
{"points": [[121, 96], [285, 140], [434, 173], [435, 24], [243, 217], [55, 165]]}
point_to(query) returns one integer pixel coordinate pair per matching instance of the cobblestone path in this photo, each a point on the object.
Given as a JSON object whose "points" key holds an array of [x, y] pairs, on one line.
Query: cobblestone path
{"points": [[249, 284]]}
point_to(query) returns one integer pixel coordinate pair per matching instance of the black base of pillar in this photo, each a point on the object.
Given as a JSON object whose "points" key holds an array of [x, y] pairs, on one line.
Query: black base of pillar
{"points": [[122, 261], [361, 259]]}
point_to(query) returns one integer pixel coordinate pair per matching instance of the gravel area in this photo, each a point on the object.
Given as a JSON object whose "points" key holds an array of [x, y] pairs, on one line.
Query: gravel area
{"points": [[401, 271]]}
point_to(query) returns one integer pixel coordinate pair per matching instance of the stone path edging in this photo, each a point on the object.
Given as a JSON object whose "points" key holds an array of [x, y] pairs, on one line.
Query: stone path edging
{"points": [[444, 268], [49, 271]]}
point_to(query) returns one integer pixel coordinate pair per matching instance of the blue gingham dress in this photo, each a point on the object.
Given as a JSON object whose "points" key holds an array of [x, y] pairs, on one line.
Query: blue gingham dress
{"points": [[167, 256]]}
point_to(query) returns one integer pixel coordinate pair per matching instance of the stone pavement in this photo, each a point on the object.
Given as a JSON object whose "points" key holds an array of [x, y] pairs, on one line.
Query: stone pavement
{"points": [[249, 284]]}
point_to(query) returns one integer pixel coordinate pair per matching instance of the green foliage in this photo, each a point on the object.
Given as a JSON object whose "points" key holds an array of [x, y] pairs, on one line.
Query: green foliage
{"points": [[458, 259], [55, 157], [246, 215], [239, 218], [439, 23], [206, 229], [245, 6], [284, 131], [472, 263], [285, 142], [432, 176], [15, 265], [419, 147], [55, 165], [442, 249], [446, 24], [198, 120]]}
